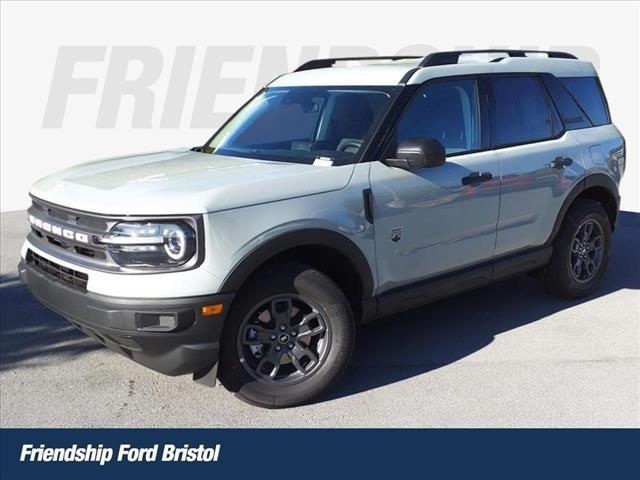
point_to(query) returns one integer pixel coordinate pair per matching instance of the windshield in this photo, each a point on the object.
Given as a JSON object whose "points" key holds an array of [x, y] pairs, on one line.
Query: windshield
{"points": [[303, 124]]}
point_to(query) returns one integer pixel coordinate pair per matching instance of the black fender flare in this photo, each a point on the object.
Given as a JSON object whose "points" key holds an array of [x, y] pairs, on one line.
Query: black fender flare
{"points": [[594, 180], [300, 238]]}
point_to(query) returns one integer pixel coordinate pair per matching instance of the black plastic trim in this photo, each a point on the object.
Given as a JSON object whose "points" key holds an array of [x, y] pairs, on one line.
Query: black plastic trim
{"points": [[407, 76], [484, 95], [367, 199], [111, 216], [452, 57], [430, 290], [330, 62], [190, 347], [594, 180], [375, 147], [57, 272], [604, 99], [300, 238]]}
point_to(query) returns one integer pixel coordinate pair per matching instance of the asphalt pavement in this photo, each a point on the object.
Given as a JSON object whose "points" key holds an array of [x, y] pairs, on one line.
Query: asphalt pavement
{"points": [[507, 355]]}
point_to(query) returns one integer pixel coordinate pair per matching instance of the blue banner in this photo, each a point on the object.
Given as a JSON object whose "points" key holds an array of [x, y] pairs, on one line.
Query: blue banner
{"points": [[321, 454]]}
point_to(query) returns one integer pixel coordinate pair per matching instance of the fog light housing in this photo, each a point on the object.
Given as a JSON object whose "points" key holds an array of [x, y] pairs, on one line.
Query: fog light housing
{"points": [[158, 322]]}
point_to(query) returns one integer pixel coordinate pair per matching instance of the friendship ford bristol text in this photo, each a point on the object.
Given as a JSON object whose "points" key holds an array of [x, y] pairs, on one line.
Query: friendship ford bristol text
{"points": [[126, 453]]}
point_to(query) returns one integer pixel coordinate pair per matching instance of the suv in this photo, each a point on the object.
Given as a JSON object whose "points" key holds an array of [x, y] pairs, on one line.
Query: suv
{"points": [[338, 194]]}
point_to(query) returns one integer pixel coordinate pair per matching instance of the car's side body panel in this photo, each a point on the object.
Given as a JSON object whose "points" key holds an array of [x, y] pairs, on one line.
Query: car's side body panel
{"points": [[235, 234], [442, 224], [598, 145], [532, 191]]}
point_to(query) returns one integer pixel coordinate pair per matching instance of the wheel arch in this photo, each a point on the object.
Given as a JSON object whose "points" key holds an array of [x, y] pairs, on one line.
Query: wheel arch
{"points": [[598, 187], [330, 252]]}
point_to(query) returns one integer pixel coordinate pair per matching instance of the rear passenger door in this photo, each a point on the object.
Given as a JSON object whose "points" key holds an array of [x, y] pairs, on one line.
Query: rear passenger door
{"points": [[539, 161]]}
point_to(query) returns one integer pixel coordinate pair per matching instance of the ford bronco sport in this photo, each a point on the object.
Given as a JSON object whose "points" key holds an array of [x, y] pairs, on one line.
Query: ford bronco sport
{"points": [[338, 194]]}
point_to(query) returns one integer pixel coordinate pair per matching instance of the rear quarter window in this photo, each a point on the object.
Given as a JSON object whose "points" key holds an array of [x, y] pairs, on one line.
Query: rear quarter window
{"points": [[573, 117], [588, 94]]}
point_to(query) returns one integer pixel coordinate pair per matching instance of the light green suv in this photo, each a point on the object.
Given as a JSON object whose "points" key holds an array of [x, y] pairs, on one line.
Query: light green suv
{"points": [[340, 193]]}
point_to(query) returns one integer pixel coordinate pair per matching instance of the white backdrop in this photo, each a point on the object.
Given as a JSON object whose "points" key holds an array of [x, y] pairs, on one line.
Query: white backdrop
{"points": [[259, 40]]}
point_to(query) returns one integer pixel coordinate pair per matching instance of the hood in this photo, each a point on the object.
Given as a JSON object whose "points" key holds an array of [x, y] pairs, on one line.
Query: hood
{"points": [[180, 182]]}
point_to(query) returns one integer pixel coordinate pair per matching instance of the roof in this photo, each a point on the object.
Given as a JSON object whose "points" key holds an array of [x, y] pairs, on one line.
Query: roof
{"points": [[393, 71]]}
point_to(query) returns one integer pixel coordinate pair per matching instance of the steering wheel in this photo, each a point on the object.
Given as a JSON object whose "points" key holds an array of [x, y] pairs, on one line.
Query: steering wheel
{"points": [[349, 144]]}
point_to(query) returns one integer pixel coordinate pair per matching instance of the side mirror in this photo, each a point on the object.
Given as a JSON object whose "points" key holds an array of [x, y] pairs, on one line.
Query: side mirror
{"points": [[418, 153]]}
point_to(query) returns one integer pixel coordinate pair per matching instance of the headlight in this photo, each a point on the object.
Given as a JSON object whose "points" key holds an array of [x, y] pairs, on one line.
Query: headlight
{"points": [[151, 245]]}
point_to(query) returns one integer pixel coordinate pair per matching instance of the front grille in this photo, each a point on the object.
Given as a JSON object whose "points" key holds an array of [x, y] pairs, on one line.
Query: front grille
{"points": [[89, 252], [71, 217], [68, 276]]}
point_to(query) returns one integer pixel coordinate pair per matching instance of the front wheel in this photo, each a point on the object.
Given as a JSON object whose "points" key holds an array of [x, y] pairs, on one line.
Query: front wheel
{"points": [[580, 251], [288, 337]]}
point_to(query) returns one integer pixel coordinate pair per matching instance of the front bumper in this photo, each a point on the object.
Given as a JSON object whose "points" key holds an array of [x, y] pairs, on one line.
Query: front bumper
{"points": [[134, 327]]}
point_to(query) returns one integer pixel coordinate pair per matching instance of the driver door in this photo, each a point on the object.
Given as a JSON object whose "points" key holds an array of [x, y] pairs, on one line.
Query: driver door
{"points": [[429, 221]]}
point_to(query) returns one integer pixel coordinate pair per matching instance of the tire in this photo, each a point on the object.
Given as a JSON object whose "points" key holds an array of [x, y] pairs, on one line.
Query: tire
{"points": [[560, 279], [248, 353]]}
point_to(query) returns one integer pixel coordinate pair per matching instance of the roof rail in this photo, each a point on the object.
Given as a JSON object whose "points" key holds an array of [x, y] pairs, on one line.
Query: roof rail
{"points": [[451, 58], [330, 62], [431, 60]]}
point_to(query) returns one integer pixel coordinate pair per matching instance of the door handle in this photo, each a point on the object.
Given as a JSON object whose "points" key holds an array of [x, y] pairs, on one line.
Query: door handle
{"points": [[477, 177], [561, 162]]}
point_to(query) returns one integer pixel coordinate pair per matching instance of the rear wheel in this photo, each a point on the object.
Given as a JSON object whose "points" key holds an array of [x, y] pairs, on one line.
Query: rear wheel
{"points": [[288, 337], [581, 250]]}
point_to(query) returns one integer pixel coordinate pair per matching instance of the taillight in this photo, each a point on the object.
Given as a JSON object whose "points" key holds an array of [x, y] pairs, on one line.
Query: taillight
{"points": [[619, 157]]}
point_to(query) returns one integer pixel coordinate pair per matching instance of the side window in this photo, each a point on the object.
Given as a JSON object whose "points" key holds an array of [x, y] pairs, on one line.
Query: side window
{"points": [[588, 94], [522, 111], [572, 115], [446, 111]]}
